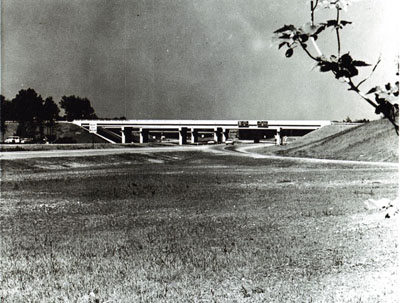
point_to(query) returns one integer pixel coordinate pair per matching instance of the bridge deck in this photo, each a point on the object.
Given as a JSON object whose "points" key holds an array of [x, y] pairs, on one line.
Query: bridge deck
{"points": [[205, 124]]}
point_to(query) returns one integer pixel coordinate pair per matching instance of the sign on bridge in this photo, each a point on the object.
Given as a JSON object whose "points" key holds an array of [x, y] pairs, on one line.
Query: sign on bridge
{"points": [[262, 123], [243, 123], [92, 127]]}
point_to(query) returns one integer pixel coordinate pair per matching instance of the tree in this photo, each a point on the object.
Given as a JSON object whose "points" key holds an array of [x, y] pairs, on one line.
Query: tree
{"points": [[5, 114], [32, 113], [27, 110], [347, 120], [27, 105], [77, 108], [49, 114], [341, 65]]}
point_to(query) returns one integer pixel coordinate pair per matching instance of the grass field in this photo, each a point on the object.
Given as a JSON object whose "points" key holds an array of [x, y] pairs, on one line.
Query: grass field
{"points": [[195, 227]]}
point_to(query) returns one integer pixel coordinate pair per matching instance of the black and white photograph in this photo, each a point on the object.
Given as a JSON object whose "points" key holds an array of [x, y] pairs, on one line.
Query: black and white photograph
{"points": [[199, 151]]}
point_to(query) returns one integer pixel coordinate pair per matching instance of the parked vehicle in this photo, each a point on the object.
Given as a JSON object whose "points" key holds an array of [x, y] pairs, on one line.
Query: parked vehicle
{"points": [[26, 140], [13, 139]]}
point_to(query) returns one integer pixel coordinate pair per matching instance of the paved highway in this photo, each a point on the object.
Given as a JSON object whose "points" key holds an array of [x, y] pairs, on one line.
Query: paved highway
{"points": [[244, 150], [95, 152]]}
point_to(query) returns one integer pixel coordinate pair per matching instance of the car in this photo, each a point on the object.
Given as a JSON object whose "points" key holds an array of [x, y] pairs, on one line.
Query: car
{"points": [[13, 139], [211, 142], [229, 142], [26, 140]]}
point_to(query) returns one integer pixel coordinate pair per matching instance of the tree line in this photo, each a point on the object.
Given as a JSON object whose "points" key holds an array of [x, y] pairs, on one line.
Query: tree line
{"points": [[34, 114]]}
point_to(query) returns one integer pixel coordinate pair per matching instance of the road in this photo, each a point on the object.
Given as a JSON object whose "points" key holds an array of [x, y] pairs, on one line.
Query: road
{"points": [[95, 152], [244, 150]]}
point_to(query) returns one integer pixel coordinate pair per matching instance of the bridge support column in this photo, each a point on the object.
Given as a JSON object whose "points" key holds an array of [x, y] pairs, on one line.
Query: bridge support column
{"points": [[217, 134], [182, 135], [123, 139], [278, 137], [143, 135], [126, 134], [225, 135], [194, 135]]}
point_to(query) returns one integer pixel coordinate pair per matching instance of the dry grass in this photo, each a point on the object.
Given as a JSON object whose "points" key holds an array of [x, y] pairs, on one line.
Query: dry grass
{"points": [[192, 227]]}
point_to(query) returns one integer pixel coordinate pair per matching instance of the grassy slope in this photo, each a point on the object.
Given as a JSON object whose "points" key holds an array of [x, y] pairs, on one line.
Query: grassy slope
{"points": [[62, 130], [374, 141]]}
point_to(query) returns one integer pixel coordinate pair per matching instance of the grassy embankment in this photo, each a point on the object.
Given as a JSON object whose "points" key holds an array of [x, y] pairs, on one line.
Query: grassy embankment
{"points": [[194, 227], [373, 141]]}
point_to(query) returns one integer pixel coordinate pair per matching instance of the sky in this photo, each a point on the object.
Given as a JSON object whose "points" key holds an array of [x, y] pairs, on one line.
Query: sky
{"points": [[190, 59]]}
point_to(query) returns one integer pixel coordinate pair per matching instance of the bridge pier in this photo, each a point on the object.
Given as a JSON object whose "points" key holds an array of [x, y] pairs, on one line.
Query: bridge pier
{"points": [[123, 141], [218, 134], [182, 135], [278, 136], [194, 135], [126, 134], [143, 135], [225, 135]]}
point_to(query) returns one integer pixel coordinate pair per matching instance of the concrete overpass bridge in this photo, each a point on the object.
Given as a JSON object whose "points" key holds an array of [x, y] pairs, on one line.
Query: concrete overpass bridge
{"points": [[125, 131]]}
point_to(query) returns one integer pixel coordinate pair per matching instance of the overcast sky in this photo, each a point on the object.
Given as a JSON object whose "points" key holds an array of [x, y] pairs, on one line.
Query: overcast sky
{"points": [[188, 59]]}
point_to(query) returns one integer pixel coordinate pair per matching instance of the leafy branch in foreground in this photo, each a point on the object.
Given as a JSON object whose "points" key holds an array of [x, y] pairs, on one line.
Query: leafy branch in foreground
{"points": [[342, 66]]}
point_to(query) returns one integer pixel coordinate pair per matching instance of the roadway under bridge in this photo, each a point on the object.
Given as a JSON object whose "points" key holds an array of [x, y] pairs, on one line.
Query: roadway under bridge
{"points": [[189, 131]]}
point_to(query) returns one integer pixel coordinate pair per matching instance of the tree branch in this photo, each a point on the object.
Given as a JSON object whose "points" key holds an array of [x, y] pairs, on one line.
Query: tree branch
{"points": [[381, 106], [373, 70], [316, 3], [337, 30], [303, 46], [312, 11], [353, 87], [313, 7], [316, 46]]}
